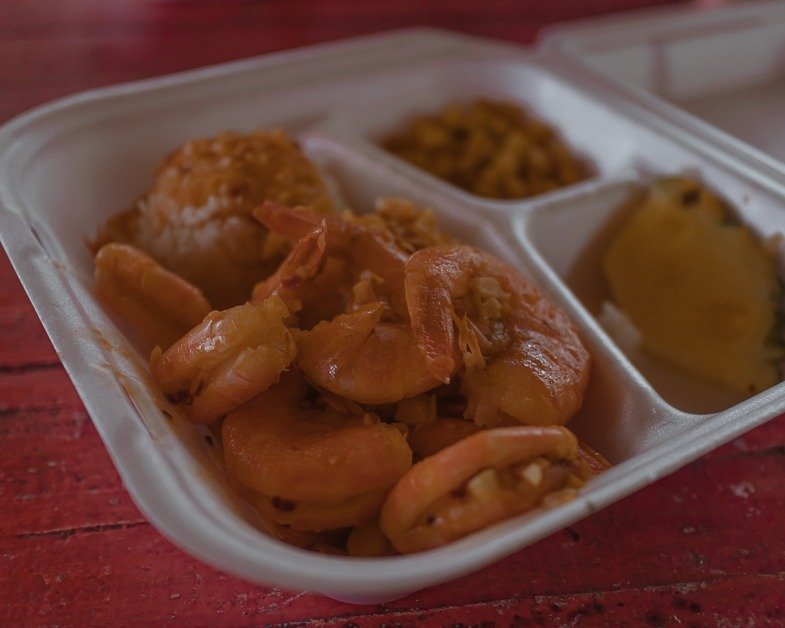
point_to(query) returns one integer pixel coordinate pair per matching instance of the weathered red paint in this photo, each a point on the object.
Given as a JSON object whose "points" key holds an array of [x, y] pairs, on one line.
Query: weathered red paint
{"points": [[703, 546]]}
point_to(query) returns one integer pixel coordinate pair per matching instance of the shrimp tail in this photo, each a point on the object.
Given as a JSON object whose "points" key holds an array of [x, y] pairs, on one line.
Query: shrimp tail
{"points": [[292, 223], [301, 264]]}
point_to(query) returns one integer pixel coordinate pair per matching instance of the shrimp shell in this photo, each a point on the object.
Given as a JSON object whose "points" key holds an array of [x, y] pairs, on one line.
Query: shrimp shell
{"points": [[160, 305], [325, 467], [227, 359], [436, 486], [302, 263], [362, 247], [365, 360], [536, 369], [314, 516]]}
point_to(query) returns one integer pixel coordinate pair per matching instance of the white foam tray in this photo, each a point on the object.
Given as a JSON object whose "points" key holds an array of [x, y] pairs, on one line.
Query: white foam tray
{"points": [[721, 72], [66, 167]]}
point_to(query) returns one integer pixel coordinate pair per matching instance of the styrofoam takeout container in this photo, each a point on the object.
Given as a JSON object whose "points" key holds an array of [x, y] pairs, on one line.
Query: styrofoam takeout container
{"points": [[66, 167], [719, 72]]}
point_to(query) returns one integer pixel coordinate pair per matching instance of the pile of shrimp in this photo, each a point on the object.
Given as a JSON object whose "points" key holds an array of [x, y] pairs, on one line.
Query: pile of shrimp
{"points": [[386, 390]]}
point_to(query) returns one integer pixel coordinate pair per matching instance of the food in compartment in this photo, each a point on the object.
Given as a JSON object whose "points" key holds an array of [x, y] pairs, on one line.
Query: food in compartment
{"points": [[490, 148], [520, 356], [384, 388], [226, 359], [409, 227], [482, 479], [196, 218], [312, 462], [701, 288], [159, 304]]}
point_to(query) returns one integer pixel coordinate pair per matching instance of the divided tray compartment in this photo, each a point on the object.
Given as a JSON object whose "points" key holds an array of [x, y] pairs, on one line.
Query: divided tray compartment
{"points": [[720, 71], [527, 81], [97, 152]]}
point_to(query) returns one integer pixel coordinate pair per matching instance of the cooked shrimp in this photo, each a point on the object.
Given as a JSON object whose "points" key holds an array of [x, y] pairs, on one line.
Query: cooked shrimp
{"points": [[416, 410], [367, 355], [432, 421], [310, 464], [362, 358], [160, 305], [438, 433], [314, 286], [485, 478], [315, 516], [227, 359], [593, 458], [301, 264], [362, 248], [522, 358], [367, 539], [326, 541]]}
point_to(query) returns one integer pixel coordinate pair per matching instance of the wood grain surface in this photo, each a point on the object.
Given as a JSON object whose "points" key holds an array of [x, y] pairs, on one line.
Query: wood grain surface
{"points": [[704, 546]]}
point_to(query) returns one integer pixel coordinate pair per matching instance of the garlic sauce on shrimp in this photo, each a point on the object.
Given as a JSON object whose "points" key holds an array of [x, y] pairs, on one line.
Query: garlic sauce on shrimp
{"points": [[485, 478], [521, 355], [368, 353]]}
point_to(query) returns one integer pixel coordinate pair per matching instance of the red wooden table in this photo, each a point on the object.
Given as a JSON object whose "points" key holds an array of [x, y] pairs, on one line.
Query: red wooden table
{"points": [[703, 546]]}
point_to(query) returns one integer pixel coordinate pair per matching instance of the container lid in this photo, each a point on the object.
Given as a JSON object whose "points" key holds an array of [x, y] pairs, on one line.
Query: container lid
{"points": [[723, 67]]}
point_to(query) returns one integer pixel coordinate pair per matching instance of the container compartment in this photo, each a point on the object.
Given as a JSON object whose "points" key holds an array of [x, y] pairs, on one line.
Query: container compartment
{"points": [[359, 181], [527, 82], [576, 255], [616, 398], [725, 66]]}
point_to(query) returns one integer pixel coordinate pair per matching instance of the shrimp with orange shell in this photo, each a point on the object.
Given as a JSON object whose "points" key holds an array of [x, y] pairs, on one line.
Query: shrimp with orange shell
{"points": [[309, 463], [384, 389], [161, 305], [367, 353], [521, 358], [485, 478], [227, 359]]}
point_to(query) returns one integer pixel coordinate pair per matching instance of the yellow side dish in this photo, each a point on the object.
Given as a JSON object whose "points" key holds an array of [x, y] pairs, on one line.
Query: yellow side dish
{"points": [[701, 288]]}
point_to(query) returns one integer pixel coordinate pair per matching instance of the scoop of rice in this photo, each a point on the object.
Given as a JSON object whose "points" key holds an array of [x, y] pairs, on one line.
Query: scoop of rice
{"points": [[196, 219]]}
